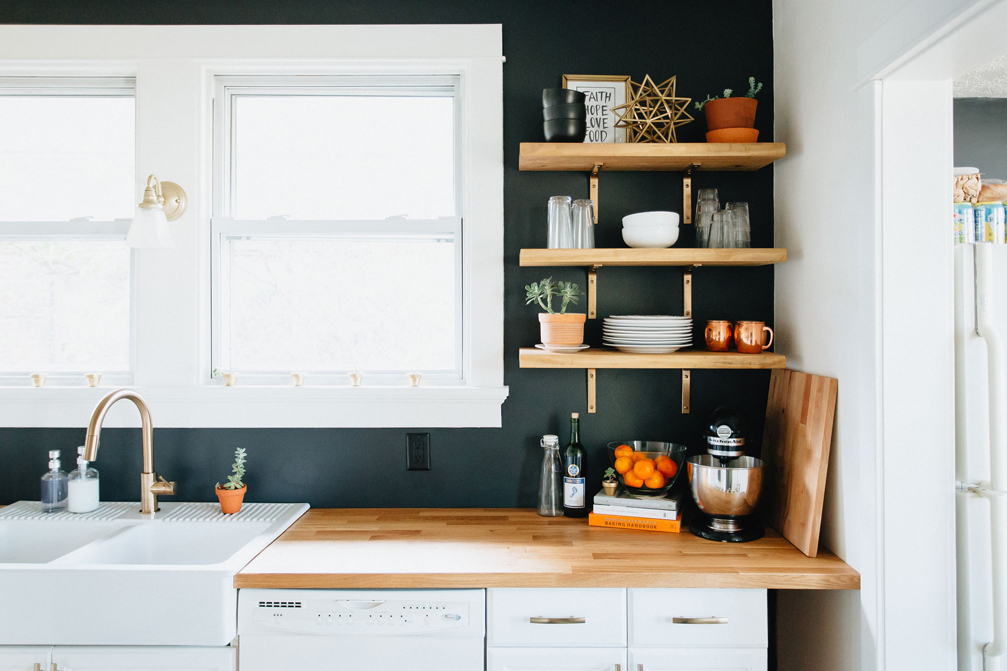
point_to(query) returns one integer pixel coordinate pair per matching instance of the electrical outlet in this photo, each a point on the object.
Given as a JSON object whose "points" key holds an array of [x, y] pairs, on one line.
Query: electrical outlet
{"points": [[417, 451]]}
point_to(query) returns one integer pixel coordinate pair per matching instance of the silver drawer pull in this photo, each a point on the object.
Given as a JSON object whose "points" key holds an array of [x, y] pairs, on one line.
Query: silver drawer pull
{"points": [[699, 620], [558, 620]]}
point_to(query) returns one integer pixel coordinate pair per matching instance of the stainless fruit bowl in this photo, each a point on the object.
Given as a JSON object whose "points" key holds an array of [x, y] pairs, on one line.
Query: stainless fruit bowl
{"points": [[729, 489]]}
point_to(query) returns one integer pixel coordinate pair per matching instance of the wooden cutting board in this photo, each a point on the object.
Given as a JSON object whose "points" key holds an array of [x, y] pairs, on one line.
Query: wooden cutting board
{"points": [[795, 449]]}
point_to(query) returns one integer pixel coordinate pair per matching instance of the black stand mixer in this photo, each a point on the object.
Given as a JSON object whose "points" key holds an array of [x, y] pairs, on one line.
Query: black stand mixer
{"points": [[725, 483]]}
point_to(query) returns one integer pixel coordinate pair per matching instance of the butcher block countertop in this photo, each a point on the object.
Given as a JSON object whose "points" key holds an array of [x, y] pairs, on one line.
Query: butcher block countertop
{"points": [[500, 547]]}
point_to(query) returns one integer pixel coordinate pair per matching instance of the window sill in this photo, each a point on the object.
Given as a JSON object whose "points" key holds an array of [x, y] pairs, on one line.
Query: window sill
{"points": [[250, 406]]}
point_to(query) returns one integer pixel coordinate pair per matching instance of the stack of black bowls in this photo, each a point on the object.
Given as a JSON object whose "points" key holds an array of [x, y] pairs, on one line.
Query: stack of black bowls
{"points": [[565, 115]]}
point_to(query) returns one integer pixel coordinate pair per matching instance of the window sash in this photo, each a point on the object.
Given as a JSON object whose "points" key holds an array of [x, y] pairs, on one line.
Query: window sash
{"points": [[82, 229], [224, 229], [227, 88]]}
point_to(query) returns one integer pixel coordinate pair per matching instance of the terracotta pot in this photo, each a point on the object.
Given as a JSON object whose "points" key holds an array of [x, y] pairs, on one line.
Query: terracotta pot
{"points": [[733, 135], [567, 329], [730, 113], [231, 499]]}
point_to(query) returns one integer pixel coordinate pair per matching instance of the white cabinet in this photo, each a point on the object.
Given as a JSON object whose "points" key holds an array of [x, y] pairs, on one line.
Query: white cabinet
{"points": [[102, 658], [556, 618], [698, 659], [698, 618], [24, 658], [627, 630], [556, 659]]}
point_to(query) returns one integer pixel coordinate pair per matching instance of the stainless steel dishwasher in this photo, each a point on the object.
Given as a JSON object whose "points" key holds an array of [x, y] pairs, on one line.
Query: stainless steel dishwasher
{"points": [[376, 630]]}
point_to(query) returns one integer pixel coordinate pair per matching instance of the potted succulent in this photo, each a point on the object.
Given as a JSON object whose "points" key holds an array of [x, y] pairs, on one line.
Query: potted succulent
{"points": [[732, 119], [558, 328], [610, 483], [230, 379], [232, 493]]}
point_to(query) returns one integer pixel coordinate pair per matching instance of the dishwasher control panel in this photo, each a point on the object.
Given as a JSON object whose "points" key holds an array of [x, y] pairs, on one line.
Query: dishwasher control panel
{"points": [[359, 617]]}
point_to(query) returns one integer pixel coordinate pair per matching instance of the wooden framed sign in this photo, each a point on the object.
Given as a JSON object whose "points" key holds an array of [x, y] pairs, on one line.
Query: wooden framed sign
{"points": [[603, 93]]}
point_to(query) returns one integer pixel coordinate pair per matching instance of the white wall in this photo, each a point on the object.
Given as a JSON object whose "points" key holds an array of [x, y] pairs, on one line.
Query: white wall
{"points": [[831, 319]]}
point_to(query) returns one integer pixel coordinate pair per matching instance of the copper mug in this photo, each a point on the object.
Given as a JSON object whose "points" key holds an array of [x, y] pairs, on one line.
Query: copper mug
{"points": [[718, 335], [748, 337]]}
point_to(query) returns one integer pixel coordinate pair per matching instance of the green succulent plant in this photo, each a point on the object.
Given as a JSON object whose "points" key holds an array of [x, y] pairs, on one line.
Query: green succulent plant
{"points": [[234, 481], [753, 90], [544, 291]]}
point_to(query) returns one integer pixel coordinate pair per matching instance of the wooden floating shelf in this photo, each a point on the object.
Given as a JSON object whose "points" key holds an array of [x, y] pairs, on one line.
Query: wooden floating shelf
{"points": [[647, 156], [531, 357], [652, 257]]}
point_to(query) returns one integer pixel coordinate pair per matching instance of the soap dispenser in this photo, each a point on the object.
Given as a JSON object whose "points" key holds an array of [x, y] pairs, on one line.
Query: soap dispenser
{"points": [[83, 486], [54, 486]]}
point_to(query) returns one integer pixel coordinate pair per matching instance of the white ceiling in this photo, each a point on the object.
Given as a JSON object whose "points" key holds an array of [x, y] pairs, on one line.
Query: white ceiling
{"points": [[988, 81]]}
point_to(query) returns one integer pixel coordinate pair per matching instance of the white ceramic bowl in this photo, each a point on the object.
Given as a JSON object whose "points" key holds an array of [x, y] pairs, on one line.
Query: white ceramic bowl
{"points": [[650, 219], [650, 236]]}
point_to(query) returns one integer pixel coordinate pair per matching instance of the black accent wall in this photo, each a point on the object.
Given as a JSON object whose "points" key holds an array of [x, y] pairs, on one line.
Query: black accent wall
{"points": [[709, 46]]}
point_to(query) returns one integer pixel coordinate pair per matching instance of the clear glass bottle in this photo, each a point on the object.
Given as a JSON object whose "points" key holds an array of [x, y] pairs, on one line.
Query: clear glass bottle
{"points": [[575, 473], [550, 487], [82, 486], [54, 488]]}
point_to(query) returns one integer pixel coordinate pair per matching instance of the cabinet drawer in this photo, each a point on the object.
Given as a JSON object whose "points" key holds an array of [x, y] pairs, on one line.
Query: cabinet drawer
{"points": [[661, 618], [594, 618], [698, 659], [555, 659]]}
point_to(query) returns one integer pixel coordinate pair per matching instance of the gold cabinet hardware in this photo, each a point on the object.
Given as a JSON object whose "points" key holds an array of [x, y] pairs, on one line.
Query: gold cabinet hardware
{"points": [[558, 620], [699, 620]]}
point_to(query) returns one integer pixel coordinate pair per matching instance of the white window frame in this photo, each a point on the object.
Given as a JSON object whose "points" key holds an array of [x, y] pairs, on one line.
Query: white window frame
{"points": [[224, 224], [82, 229], [174, 69]]}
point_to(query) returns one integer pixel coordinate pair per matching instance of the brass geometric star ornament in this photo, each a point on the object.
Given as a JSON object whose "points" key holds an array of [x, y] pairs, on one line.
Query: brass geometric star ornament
{"points": [[653, 113]]}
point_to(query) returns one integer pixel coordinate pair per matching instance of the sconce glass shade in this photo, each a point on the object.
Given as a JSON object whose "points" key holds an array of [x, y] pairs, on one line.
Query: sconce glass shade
{"points": [[149, 229]]}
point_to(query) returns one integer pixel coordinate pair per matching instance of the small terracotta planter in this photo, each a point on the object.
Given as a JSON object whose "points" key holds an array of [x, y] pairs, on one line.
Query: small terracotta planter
{"points": [[231, 499], [565, 329], [730, 113]]}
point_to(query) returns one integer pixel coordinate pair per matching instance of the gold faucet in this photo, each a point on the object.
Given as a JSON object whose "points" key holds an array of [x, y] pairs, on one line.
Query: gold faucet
{"points": [[150, 485]]}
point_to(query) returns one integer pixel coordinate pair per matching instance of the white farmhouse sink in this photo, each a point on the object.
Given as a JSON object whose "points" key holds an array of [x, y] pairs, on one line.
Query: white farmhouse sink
{"points": [[113, 577]]}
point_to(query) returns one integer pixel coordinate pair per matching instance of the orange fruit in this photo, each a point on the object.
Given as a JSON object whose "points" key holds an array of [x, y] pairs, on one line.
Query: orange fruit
{"points": [[623, 465], [623, 451], [661, 457], [637, 456], [643, 469], [667, 468], [631, 480], [655, 481]]}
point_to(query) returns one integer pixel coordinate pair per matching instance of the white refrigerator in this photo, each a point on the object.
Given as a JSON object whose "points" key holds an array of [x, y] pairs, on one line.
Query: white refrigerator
{"points": [[981, 454]]}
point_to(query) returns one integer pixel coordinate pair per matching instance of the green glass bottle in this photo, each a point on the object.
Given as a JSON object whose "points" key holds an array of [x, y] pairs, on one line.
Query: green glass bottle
{"points": [[575, 473]]}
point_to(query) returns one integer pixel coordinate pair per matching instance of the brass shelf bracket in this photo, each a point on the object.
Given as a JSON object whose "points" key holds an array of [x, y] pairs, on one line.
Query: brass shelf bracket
{"points": [[686, 391], [687, 194], [687, 291], [592, 390], [594, 189], [592, 293]]}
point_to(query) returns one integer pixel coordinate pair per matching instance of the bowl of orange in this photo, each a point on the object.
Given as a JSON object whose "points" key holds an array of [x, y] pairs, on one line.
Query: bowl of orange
{"points": [[647, 468]]}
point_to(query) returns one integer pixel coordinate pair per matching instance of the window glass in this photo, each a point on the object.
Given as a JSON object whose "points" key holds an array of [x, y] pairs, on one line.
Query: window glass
{"points": [[343, 156], [64, 306], [65, 157], [339, 303]]}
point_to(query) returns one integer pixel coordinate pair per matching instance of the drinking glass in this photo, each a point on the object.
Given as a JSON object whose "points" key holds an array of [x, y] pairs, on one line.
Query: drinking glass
{"points": [[550, 489], [560, 235], [705, 210], [583, 224], [721, 230], [741, 224]]}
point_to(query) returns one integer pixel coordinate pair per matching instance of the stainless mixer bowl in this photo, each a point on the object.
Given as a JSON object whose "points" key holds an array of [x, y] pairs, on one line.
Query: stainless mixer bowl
{"points": [[729, 489]]}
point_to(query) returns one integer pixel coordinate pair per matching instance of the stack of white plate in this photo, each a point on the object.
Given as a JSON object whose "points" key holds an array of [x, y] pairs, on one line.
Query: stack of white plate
{"points": [[658, 334]]}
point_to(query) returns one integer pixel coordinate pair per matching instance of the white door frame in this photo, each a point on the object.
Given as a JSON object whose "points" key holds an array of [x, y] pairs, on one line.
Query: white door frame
{"points": [[906, 71]]}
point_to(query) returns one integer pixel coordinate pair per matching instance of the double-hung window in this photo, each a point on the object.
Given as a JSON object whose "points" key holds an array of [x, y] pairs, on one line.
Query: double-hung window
{"points": [[66, 200], [337, 235]]}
